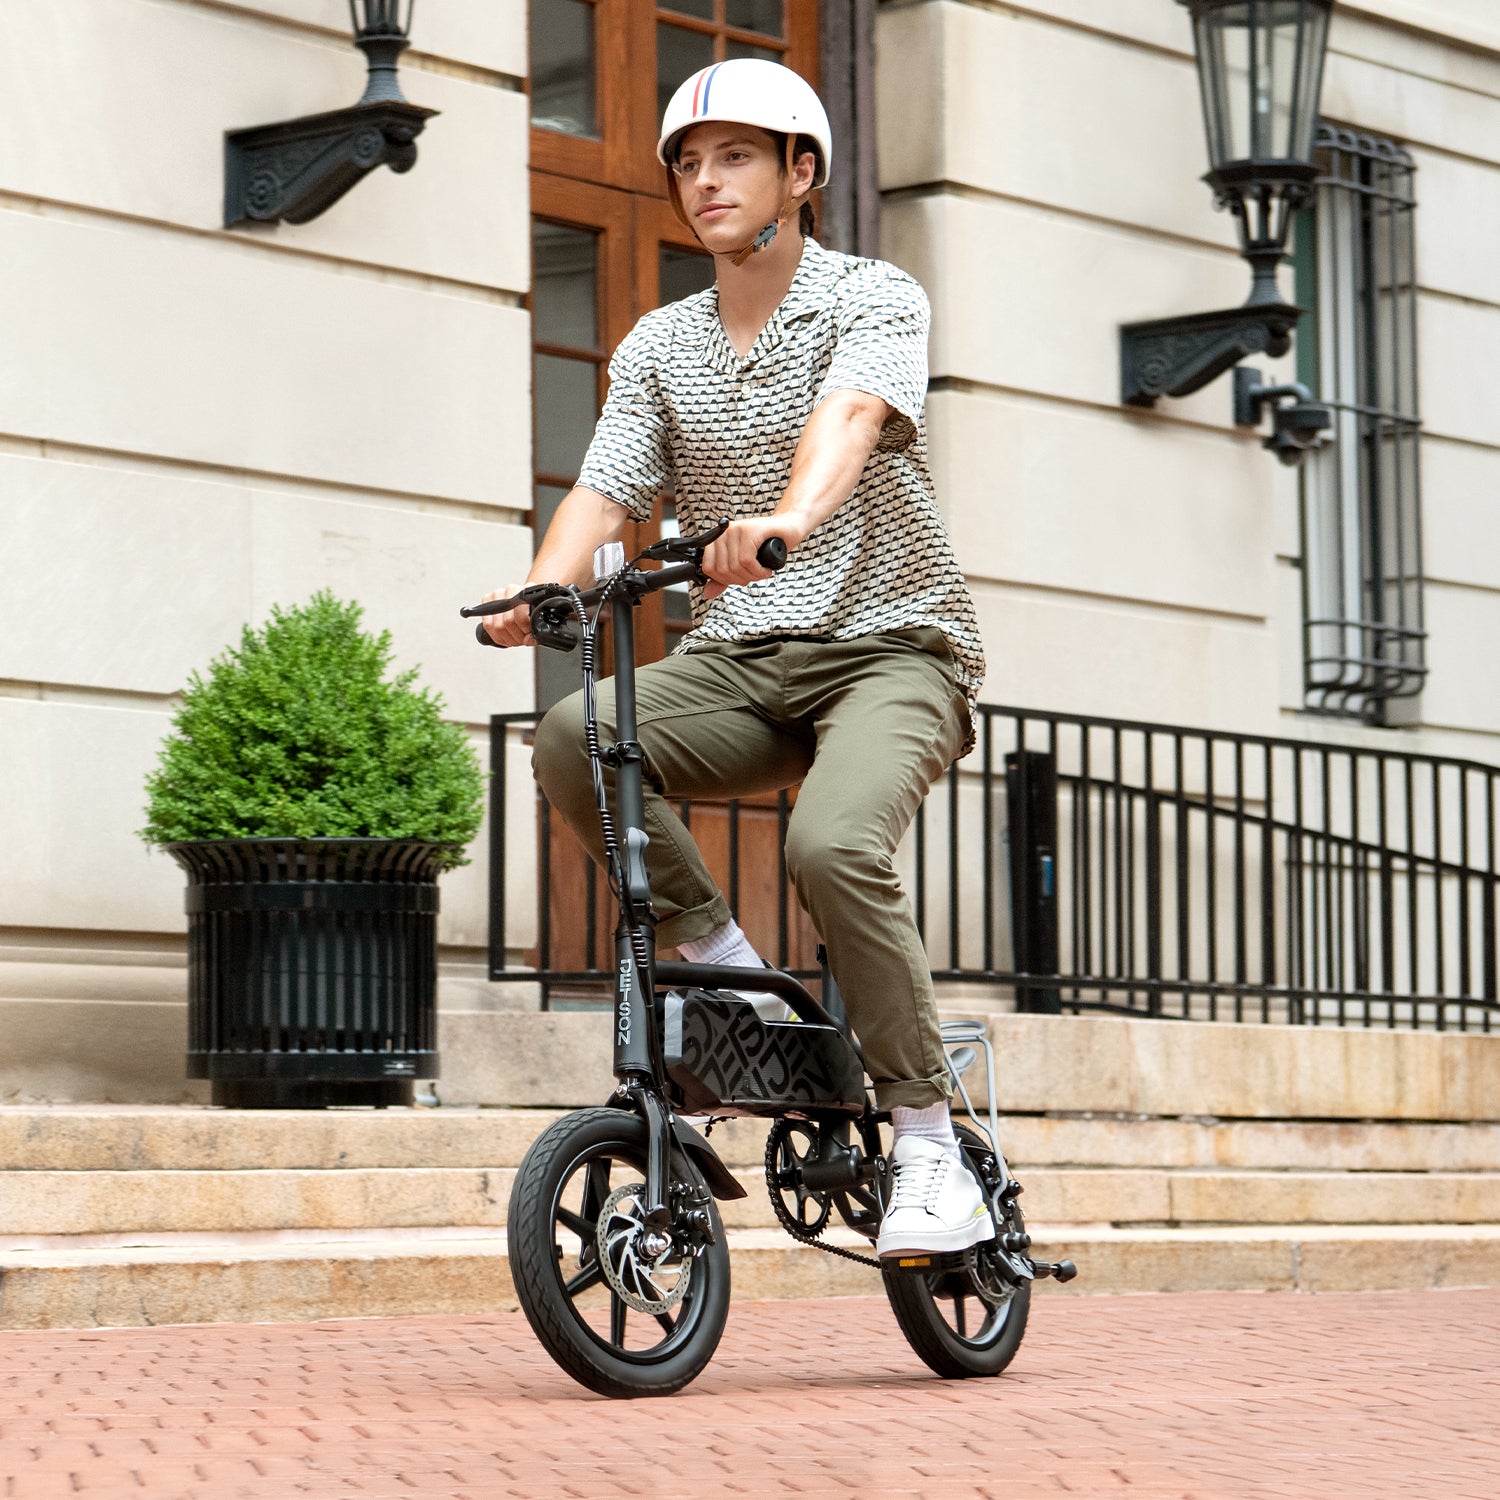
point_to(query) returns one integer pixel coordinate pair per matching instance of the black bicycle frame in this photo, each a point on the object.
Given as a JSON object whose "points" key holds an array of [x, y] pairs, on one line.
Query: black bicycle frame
{"points": [[638, 1063], [639, 1067]]}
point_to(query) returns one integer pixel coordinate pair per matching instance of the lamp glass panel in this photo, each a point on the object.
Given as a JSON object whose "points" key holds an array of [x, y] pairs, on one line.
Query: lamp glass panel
{"points": [[562, 67], [1260, 62], [1309, 83], [679, 54], [388, 16], [566, 401], [565, 285]]}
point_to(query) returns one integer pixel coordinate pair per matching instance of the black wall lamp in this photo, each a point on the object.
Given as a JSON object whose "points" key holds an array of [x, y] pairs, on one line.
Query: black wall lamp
{"points": [[1260, 71], [298, 168]]}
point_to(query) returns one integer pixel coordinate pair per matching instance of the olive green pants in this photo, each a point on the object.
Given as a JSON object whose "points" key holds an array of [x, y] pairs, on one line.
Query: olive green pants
{"points": [[866, 726]]}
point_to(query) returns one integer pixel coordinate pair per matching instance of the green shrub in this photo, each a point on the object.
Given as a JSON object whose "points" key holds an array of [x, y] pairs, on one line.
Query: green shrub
{"points": [[299, 734]]}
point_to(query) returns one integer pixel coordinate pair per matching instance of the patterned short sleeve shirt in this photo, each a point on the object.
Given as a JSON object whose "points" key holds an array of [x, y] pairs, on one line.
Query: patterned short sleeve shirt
{"points": [[686, 412]]}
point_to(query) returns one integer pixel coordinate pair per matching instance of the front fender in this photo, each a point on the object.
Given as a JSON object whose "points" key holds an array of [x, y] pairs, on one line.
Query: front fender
{"points": [[721, 1182]]}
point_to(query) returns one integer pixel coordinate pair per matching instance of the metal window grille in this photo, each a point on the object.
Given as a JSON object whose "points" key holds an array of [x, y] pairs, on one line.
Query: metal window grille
{"points": [[1364, 642]]}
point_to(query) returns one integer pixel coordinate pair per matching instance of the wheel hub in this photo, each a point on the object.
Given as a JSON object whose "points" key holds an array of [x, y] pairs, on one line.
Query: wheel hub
{"points": [[634, 1257]]}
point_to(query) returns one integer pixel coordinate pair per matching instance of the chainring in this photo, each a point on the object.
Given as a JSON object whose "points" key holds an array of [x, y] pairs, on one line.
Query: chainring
{"points": [[632, 1276], [784, 1175]]}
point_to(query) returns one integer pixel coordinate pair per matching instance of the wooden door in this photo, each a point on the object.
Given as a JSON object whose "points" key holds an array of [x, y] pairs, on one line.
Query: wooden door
{"points": [[606, 249]]}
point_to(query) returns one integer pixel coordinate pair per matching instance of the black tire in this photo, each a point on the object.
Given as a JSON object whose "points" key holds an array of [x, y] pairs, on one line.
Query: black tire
{"points": [[581, 1320], [976, 1335]]}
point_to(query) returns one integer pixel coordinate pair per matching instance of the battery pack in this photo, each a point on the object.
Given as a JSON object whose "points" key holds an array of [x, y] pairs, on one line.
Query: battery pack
{"points": [[723, 1059]]}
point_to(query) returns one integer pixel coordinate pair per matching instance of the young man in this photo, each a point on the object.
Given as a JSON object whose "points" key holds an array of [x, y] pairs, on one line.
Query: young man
{"points": [[789, 398]]}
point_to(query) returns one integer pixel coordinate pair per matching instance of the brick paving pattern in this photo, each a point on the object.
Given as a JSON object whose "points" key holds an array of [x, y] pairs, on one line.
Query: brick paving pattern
{"points": [[1270, 1396]]}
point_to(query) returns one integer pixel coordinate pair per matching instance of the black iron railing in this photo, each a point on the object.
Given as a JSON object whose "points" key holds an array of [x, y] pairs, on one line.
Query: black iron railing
{"points": [[1084, 864]]}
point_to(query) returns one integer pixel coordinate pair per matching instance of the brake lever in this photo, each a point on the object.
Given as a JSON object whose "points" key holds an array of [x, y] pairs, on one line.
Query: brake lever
{"points": [[685, 548], [771, 554], [532, 594]]}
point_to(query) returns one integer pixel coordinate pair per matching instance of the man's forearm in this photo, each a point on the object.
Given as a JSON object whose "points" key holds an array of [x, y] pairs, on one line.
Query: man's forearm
{"points": [[584, 520], [832, 452]]}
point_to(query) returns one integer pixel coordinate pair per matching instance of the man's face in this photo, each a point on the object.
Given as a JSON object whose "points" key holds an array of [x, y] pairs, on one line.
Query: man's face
{"points": [[732, 183]]}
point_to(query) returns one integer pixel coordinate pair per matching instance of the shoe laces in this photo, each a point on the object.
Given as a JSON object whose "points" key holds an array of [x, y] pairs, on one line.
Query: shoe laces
{"points": [[918, 1181]]}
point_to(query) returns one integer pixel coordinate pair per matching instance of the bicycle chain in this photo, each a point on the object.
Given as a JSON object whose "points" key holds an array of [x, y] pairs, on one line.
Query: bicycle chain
{"points": [[798, 1232]]}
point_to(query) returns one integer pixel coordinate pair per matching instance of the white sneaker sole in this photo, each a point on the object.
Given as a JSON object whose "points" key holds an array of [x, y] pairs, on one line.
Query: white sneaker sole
{"points": [[938, 1241]]}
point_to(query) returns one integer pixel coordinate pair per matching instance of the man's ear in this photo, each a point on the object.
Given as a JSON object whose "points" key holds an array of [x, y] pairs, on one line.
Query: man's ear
{"points": [[804, 169]]}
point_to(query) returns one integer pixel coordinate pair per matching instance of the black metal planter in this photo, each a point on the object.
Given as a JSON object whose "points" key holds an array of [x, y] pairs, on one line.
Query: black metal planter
{"points": [[312, 969]]}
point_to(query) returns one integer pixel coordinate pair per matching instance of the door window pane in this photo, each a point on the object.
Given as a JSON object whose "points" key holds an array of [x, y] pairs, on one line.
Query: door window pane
{"points": [[556, 673], [679, 54], [567, 406], [763, 16], [681, 273], [703, 9], [548, 497], [748, 49], [565, 285], [562, 66]]}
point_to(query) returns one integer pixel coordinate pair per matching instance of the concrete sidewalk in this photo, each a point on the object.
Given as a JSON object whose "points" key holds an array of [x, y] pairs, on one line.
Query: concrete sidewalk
{"points": [[1207, 1395]]}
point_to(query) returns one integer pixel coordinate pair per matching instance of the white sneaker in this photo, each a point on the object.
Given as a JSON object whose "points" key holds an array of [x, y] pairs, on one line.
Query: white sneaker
{"points": [[936, 1205]]}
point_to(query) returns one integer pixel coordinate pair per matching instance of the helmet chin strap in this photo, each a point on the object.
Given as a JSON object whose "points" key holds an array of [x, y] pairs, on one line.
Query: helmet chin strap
{"points": [[790, 206]]}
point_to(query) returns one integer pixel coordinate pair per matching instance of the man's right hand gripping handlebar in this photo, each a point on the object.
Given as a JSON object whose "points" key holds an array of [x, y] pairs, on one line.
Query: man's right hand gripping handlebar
{"points": [[538, 613]]}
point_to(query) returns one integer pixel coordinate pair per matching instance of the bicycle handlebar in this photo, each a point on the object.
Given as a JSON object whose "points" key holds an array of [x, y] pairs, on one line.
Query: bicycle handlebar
{"points": [[771, 554]]}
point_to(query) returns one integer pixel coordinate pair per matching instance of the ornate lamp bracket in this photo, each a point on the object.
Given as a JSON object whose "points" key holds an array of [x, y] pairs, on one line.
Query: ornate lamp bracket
{"points": [[298, 168], [1176, 356]]}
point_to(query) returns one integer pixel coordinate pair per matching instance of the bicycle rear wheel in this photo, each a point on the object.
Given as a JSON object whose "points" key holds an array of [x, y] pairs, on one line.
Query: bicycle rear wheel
{"points": [[965, 1322], [620, 1320]]}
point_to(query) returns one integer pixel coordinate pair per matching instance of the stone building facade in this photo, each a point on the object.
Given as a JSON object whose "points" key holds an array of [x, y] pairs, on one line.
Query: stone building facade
{"points": [[196, 423]]}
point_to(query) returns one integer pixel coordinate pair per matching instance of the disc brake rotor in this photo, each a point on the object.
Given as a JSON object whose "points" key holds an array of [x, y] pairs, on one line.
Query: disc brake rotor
{"points": [[643, 1282]]}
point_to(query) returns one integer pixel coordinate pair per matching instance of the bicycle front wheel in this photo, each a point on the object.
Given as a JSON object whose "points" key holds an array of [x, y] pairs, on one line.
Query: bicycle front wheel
{"points": [[624, 1315]]}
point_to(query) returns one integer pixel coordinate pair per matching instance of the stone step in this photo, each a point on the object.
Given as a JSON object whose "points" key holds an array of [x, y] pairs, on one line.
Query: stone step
{"points": [[185, 1138], [41, 1203], [269, 1278]]}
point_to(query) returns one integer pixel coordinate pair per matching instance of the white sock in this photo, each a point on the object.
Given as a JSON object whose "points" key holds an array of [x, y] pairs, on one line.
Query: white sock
{"points": [[933, 1124], [728, 945]]}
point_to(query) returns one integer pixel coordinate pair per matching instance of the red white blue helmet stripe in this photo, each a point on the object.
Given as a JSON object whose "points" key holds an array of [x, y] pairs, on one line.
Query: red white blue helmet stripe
{"points": [[701, 91]]}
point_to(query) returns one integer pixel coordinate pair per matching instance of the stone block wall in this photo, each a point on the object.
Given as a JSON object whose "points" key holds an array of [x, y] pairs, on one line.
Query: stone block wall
{"points": [[196, 424]]}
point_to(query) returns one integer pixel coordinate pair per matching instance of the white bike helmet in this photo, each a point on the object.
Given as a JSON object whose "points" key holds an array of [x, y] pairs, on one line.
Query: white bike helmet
{"points": [[748, 91]]}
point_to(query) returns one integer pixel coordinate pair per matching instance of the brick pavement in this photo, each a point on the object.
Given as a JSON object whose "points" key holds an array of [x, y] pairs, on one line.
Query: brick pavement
{"points": [[1255, 1396]]}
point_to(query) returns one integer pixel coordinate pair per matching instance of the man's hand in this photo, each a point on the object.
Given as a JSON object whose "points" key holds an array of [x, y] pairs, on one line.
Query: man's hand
{"points": [[513, 628], [731, 559]]}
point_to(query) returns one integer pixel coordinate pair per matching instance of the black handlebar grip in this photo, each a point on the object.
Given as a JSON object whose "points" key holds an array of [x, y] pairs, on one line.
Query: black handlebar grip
{"points": [[772, 554], [483, 636]]}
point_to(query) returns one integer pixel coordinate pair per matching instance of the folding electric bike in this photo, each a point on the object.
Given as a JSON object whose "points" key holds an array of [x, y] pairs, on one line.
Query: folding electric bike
{"points": [[616, 1247]]}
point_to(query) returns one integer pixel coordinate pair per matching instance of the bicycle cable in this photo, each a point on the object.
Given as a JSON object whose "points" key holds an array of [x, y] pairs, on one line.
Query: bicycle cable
{"points": [[614, 867]]}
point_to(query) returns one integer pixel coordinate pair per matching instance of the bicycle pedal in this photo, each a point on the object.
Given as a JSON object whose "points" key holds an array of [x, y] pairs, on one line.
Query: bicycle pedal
{"points": [[928, 1263], [1064, 1270]]}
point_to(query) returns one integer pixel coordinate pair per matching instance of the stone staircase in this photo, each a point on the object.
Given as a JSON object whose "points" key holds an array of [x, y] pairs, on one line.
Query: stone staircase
{"points": [[1169, 1156]]}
